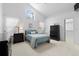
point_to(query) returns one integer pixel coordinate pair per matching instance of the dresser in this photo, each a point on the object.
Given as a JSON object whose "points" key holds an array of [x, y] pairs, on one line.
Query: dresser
{"points": [[4, 48], [55, 32], [18, 37]]}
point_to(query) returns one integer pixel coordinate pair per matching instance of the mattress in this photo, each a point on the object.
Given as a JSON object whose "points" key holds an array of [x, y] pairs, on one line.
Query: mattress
{"points": [[37, 38], [37, 35]]}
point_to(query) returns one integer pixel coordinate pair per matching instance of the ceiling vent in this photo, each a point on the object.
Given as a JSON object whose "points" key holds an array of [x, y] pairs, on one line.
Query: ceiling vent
{"points": [[76, 7]]}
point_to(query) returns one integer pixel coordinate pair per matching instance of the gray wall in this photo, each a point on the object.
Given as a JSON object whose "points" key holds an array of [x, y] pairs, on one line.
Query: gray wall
{"points": [[1, 21], [76, 28], [17, 11], [59, 19], [14, 11], [55, 20], [38, 18]]}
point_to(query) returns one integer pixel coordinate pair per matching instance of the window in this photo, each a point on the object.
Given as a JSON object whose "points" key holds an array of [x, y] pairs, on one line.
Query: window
{"points": [[69, 24], [29, 13]]}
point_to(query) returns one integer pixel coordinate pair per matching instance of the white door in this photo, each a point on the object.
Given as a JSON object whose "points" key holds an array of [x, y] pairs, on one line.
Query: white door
{"points": [[69, 30]]}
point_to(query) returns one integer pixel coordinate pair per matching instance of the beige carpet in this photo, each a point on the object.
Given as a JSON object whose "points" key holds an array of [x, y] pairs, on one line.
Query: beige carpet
{"points": [[53, 48]]}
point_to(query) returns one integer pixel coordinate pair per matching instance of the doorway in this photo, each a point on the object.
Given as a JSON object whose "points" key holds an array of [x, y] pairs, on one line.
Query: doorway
{"points": [[68, 29]]}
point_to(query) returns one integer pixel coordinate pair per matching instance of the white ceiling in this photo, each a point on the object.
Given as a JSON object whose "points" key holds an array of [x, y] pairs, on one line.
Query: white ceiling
{"points": [[14, 9], [49, 9]]}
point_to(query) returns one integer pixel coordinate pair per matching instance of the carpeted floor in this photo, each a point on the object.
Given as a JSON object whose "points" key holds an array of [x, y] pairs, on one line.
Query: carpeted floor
{"points": [[53, 48]]}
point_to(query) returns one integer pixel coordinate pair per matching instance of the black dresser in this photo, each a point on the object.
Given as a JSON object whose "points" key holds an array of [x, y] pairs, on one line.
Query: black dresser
{"points": [[18, 37], [4, 48], [55, 32]]}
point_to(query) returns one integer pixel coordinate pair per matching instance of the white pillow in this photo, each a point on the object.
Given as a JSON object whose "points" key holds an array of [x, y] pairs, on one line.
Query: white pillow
{"points": [[33, 32]]}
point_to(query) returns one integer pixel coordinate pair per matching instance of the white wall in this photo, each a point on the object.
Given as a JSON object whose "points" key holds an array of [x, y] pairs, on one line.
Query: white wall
{"points": [[10, 26], [59, 19], [55, 20], [11, 13], [76, 28], [38, 18], [1, 21], [17, 11]]}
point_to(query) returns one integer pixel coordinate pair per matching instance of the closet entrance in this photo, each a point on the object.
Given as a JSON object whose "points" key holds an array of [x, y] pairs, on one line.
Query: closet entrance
{"points": [[68, 30]]}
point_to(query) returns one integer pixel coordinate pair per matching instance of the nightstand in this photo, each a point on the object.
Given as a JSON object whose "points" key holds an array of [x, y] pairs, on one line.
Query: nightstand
{"points": [[18, 37]]}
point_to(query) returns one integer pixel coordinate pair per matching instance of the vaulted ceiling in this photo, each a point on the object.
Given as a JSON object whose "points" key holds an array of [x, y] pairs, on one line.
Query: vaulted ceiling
{"points": [[49, 9], [46, 9], [14, 9]]}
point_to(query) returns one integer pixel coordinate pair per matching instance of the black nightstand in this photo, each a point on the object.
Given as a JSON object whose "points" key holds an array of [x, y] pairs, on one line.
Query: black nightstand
{"points": [[18, 37]]}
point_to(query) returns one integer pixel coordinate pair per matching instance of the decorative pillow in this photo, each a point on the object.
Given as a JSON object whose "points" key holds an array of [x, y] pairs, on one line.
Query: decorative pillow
{"points": [[31, 32]]}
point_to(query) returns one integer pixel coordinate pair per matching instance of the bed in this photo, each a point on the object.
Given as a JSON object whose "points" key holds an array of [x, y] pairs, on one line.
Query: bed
{"points": [[36, 38]]}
